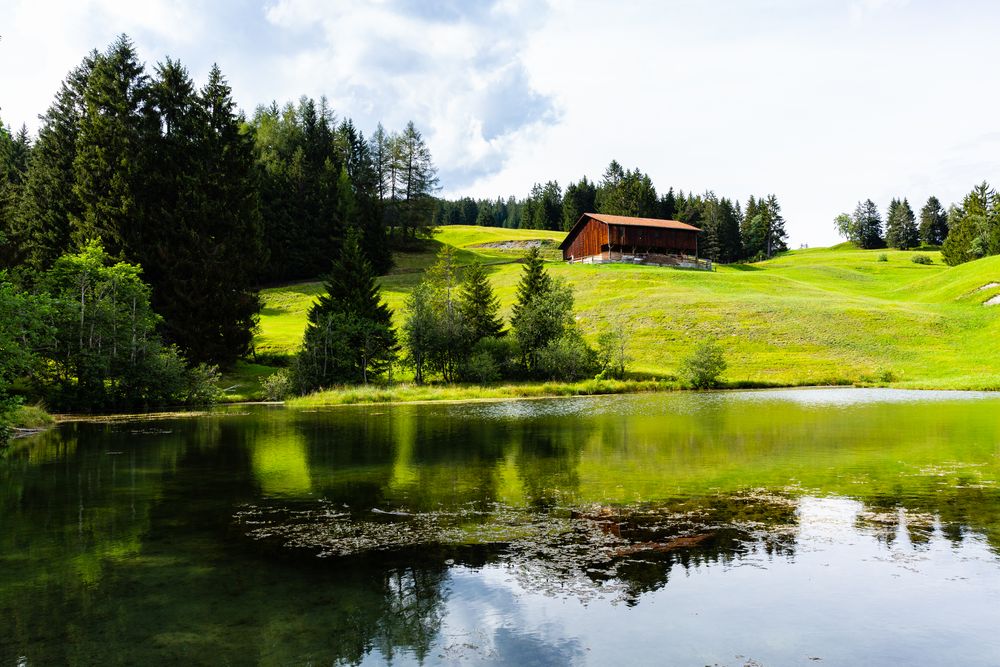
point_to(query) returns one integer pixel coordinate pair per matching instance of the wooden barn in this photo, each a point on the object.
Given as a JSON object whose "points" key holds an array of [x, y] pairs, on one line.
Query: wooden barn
{"points": [[597, 238]]}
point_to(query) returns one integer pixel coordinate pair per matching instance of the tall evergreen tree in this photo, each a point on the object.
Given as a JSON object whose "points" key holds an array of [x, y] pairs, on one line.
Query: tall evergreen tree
{"points": [[933, 222], [901, 226], [975, 231], [479, 307], [578, 199], [542, 312], [349, 335], [868, 226], [50, 202], [108, 166], [668, 206], [416, 180], [14, 151]]}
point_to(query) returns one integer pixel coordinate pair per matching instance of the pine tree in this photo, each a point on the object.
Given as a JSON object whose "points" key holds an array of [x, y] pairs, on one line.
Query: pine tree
{"points": [[416, 180], [668, 206], [900, 227], [868, 225], [49, 204], [933, 222], [542, 312], [229, 228], [578, 199], [975, 231], [349, 335], [14, 152], [479, 307], [108, 165]]}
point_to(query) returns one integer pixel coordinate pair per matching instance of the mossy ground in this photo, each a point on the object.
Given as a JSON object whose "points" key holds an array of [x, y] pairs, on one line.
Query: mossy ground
{"points": [[816, 316]]}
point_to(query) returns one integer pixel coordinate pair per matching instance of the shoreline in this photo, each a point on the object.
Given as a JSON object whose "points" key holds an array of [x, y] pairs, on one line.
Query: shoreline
{"points": [[305, 404]]}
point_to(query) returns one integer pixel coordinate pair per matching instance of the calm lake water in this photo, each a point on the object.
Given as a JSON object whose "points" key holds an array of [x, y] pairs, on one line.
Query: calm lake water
{"points": [[813, 527]]}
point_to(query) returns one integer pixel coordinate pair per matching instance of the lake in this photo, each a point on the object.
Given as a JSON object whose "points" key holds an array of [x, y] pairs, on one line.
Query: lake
{"points": [[794, 527]]}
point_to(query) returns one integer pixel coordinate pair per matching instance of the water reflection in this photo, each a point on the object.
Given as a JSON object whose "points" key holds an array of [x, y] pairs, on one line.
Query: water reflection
{"points": [[575, 531]]}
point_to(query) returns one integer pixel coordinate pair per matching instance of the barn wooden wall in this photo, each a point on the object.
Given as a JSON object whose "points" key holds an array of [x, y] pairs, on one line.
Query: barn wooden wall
{"points": [[588, 241], [628, 236], [592, 238]]}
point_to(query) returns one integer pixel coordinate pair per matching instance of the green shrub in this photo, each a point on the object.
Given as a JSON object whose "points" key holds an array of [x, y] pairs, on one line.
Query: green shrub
{"points": [[883, 257], [920, 258], [506, 354], [278, 386], [568, 358], [480, 367], [701, 370], [203, 385]]}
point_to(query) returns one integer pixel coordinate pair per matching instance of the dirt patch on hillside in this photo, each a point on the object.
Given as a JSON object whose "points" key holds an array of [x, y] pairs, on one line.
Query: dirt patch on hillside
{"points": [[524, 244], [988, 286], [992, 301]]}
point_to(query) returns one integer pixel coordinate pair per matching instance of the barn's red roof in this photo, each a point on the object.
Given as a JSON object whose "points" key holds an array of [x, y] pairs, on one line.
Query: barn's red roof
{"points": [[640, 222], [626, 221]]}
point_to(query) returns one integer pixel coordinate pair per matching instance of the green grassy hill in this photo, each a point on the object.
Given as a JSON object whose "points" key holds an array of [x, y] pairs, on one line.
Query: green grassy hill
{"points": [[816, 316]]}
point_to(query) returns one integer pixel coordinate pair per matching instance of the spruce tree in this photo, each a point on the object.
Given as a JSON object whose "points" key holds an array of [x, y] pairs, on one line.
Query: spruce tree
{"points": [[668, 206], [933, 222], [349, 335], [578, 199], [108, 165], [50, 204], [542, 313], [479, 306], [868, 225], [901, 227]]}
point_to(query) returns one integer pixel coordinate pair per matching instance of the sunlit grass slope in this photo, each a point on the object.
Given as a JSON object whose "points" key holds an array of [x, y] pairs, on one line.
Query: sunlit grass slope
{"points": [[816, 316]]}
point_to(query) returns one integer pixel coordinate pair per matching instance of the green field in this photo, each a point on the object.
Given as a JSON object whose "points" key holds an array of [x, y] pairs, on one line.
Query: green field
{"points": [[816, 316]]}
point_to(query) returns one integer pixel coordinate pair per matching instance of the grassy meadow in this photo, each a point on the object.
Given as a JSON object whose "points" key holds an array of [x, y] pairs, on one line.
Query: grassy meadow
{"points": [[816, 316]]}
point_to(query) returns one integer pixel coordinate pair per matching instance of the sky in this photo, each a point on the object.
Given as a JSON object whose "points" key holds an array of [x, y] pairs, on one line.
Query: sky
{"points": [[820, 102]]}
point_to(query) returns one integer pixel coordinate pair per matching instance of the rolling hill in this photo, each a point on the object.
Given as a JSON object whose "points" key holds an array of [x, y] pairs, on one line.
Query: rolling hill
{"points": [[814, 316]]}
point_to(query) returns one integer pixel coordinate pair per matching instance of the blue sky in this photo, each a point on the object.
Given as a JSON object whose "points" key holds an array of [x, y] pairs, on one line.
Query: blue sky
{"points": [[821, 102]]}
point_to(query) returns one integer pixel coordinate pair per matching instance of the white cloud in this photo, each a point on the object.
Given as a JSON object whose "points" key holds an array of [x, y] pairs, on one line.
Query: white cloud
{"points": [[453, 69]]}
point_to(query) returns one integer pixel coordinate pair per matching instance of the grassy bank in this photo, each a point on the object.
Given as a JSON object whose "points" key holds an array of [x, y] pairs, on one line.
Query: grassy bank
{"points": [[809, 317], [411, 393]]}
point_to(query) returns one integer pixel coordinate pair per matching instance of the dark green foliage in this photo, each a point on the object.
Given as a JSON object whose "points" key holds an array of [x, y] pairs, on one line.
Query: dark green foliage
{"points": [[23, 319], [200, 246], [567, 358], [14, 151], [578, 199], [668, 206], [933, 223], [901, 226], [50, 203], [627, 193], [763, 229], [544, 207], [299, 169], [974, 227], [721, 241], [866, 226], [478, 306], [542, 313], [108, 167], [702, 368], [349, 336], [101, 346], [921, 259]]}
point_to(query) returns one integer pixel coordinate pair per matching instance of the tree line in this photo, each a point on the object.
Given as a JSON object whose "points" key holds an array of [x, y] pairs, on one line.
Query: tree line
{"points": [[966, 231], [732, 233], [174, 178], [452, 330]]}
